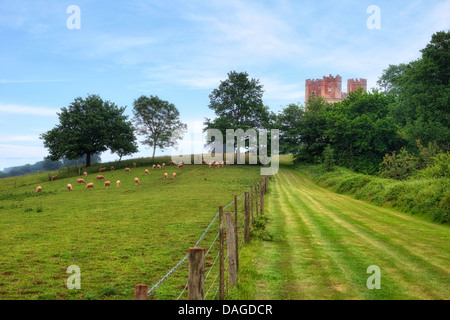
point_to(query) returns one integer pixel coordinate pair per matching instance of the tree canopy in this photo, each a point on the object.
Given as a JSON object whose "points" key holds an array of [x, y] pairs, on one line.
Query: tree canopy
{"points": [[159, 121], [238, 104], [89, 126], [411, 110], [421, 93]]}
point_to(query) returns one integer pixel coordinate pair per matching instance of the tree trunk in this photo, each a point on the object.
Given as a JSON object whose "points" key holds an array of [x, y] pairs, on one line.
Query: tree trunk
{"points": [[88, 159], [154, 150]]}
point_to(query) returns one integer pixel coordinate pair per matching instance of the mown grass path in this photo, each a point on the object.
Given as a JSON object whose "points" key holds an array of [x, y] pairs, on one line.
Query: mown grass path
{"points": [[324, 242]]}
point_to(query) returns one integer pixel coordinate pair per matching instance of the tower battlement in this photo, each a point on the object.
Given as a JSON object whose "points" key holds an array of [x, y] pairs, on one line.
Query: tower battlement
{"points": [[330, 87]]}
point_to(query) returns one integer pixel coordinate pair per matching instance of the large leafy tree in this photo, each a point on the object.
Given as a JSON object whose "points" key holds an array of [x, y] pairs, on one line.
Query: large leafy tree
{"points": [[89, 126], [159, 121], [422, 94], [361, 130], [311, 131], [238, 104], [287, 121], [358, 129]]}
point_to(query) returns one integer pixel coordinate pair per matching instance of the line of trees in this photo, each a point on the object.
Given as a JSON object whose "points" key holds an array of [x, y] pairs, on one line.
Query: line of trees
{"points": [[91, 125], [396, 131], [45, 165]]}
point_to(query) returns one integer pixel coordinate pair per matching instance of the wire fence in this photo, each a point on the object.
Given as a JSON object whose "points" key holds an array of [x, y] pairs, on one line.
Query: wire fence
{"points": [[176, 278]]}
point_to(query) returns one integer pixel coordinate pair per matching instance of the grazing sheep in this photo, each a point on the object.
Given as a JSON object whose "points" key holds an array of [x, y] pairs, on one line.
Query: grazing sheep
{"points": [[39, 189], [158, 167], [174, 176], [85, 174], [217, 164], [69, 187], [163, 165], [127, 170], [171, 163], [117, 183], [210, 164], [112, 168], [136, 181], [147, 172], [153, 167], [89, 186], [107, 184], [54, 177], [181, 164], [102, 170], [100, 177], [166, 176], [134, 165], [80, 181]]}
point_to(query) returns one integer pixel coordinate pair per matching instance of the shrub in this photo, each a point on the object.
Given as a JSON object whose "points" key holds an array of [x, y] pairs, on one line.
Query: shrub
{"points": [[427, 197], [398, 166]]}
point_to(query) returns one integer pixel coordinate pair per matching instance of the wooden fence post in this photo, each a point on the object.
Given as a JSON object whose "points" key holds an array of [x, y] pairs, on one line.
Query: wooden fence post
{"points": [[236, 229], [140, 292], [256, 198], [196, 280], [246, 220], [261, 194], [251, 206], [221, 258], [231, 246]]}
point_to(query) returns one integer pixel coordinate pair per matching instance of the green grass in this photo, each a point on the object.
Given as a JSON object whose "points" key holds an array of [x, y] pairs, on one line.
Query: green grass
{"points": [[322, 244], [118, 237]]}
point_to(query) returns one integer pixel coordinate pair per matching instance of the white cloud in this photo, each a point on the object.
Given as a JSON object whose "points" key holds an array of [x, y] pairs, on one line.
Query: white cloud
{"points": [[9, 151], [27, 110], [20, 138]]}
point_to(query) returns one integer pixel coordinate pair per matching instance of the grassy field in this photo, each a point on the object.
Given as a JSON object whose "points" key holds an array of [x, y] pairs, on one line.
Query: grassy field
{"points": [[118, 237], [323, 242], [316, 244]]}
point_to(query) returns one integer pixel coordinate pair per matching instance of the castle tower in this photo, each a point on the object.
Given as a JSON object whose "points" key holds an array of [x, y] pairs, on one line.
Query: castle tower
{"points": [[313, 88], [332, 88], [355, 84]]}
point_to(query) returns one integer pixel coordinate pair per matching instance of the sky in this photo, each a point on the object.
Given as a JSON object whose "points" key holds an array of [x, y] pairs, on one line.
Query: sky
{"points": [[181, 50]]}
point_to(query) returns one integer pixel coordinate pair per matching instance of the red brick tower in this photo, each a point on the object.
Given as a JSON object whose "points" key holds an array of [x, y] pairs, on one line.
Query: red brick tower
{"points": [[332, 88], [313, 88], [355, 84]]}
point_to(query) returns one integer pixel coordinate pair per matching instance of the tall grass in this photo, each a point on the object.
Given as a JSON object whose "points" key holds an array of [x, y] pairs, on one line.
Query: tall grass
{"points": [[428, 198]]}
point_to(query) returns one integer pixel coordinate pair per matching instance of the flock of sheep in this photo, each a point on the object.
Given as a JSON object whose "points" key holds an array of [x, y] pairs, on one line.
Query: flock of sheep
{"points": [[107, 184]]}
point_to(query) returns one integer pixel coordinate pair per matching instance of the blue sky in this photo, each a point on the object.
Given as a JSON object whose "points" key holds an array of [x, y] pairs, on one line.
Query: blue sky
{"points": [[181, 50]]}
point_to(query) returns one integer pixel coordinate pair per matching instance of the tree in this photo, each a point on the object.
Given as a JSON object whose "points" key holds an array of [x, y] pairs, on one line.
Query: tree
{"points": [[328, 158], [288, 121], [86, 127], [422, 94], [159, 121], [388, 81], [311, 131], [237, 103]]}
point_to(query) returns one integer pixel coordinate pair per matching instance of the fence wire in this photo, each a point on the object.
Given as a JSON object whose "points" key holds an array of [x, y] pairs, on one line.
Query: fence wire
{"points": [[210, 250]]}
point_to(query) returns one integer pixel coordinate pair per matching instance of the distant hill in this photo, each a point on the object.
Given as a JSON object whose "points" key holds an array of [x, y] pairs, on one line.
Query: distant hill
{"points": [[44, 166]]}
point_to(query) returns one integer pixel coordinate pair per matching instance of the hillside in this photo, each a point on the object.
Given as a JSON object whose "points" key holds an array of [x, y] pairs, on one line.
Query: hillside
{"points": [[118, 237]]}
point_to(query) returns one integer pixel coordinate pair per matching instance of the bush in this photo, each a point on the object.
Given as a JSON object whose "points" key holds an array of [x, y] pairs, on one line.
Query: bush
{"points": [[427, 197], [398, 166]]}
